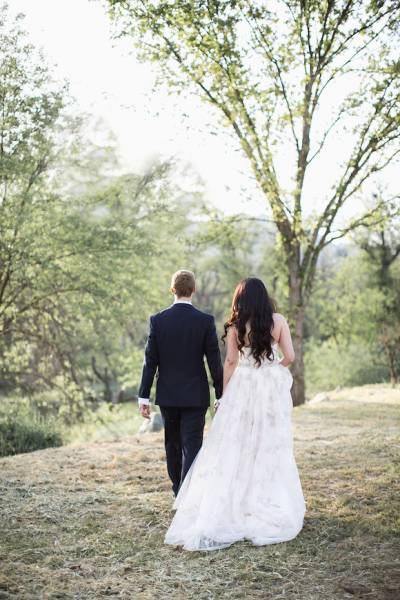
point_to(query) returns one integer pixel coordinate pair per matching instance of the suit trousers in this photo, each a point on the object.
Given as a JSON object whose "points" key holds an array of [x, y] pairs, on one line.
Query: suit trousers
{"points": [[183, 431]]}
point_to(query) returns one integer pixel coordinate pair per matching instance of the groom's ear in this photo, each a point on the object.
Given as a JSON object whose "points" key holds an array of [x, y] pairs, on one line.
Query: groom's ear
{"points": [[172, 290]]}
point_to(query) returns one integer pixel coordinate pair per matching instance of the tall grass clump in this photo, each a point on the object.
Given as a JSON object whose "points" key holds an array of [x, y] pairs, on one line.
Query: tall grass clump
{"points": [[17, 436], [22, 429]]}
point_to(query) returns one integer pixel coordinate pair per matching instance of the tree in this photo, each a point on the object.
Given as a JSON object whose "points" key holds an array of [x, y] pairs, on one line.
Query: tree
{"points": [[267, 69], [30, 112], [382, 249], [74, 239], [353, 321]]}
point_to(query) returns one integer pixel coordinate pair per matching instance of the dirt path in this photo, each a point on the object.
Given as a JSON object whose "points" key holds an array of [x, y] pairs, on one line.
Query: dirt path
{"points": [[87, 521]]}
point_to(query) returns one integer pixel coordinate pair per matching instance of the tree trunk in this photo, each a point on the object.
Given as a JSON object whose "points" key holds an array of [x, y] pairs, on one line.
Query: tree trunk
{"points": [[392, 367], [297, 313], [298, 389], [105, 379]]}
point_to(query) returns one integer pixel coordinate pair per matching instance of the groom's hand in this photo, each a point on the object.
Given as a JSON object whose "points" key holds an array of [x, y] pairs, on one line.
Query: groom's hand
{"points": [[145, 410]]}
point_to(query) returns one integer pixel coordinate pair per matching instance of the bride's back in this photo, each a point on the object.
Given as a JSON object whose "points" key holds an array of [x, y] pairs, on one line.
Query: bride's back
{"points": [[278, 321]]}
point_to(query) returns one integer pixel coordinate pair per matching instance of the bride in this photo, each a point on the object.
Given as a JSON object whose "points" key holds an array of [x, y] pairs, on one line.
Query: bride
{"points": [[244, 484]]}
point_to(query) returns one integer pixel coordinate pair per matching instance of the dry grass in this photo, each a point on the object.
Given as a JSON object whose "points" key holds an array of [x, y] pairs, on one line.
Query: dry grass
{"points": [[87, 521]]}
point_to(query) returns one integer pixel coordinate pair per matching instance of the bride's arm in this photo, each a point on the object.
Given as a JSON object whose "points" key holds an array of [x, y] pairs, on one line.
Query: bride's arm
{"points": [[232, 355], [286, 344]]}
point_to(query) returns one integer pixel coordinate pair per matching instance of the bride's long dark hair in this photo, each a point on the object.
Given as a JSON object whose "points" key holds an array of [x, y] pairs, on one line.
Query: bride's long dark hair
{"points": [[252, 304]]}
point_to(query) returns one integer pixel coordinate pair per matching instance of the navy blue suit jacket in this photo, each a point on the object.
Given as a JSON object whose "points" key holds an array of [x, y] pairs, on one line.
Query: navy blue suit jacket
{"points": [[179, 339]]}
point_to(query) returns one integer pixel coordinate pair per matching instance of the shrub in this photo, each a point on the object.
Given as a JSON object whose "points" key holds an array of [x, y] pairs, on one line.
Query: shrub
{"points": [[17, 436], [329, 365]]}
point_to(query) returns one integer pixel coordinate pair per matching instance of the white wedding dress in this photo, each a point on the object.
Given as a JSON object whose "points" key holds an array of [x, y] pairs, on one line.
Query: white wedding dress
{"points": [[244, 483]]}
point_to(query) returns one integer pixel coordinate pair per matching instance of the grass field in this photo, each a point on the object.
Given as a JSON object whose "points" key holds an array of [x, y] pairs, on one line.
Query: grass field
{"points": [[87, 521]]}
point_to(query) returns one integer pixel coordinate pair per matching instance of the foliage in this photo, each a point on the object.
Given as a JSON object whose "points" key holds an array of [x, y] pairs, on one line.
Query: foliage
{"points": [[353, 323], [228, 249], [81, 262], [17, 436], [109, 422], [330, 365], [381, 252]]}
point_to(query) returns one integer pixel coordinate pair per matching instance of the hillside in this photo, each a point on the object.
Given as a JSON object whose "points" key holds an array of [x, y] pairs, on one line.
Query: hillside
{"points": [[87, 521]]}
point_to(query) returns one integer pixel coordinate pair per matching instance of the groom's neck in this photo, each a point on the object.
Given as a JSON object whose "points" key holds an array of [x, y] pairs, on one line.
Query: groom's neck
{"points": [[183, 298]]}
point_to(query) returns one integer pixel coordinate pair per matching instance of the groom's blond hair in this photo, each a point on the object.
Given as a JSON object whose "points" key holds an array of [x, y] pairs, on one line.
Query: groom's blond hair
{"points": [[183, 283]]}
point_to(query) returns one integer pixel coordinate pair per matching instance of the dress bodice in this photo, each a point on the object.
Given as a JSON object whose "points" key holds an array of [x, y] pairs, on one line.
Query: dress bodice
{"points": [[246, 359]]}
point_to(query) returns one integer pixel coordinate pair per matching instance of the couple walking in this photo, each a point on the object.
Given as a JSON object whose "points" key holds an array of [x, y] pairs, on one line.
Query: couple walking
{"points": [[242, 483]]}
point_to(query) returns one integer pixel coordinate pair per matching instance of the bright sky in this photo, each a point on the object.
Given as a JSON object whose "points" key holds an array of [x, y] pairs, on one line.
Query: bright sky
{"points": [[108, 82]]}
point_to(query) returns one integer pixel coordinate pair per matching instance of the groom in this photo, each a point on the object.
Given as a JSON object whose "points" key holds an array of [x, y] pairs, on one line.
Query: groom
{"points": [[179, 338]]}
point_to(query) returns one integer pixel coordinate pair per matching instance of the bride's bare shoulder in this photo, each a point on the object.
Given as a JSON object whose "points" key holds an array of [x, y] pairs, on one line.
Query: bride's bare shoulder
{"points": [[232, 331], [279, 321], [278, 318]]}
